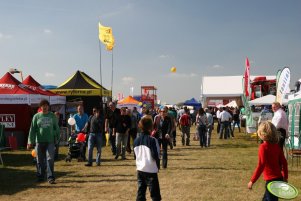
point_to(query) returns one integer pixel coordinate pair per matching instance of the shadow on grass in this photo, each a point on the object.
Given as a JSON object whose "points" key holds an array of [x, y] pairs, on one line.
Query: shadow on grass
{"points": [[231, 146], [212, 168], [17, 160], [99, 181], [101, 175], [14, 180], [21, 159]]}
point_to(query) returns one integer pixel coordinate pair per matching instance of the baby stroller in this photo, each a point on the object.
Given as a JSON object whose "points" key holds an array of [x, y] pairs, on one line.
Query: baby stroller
{"points": [[77, 147]]}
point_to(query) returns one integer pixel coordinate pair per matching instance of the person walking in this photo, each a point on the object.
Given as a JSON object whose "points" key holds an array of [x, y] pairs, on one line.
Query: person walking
{"points": [[271, 160], [121, 128], [163, 127], [202, 122], [225, 118], [95, 136], [185, 123], [236, 120], [147, 155], [44, 133], [112, 115], [133, 129], [209, 126]]}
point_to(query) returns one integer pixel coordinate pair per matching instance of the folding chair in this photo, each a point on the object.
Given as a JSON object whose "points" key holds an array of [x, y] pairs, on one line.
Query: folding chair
{"points": [[293, 152]]}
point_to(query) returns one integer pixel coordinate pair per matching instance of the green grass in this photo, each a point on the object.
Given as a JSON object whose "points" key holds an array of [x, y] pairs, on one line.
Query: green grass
{"points": [[220, 172]]}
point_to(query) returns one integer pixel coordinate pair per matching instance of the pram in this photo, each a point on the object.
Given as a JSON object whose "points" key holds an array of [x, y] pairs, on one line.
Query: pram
{"points": [[77, 148]]}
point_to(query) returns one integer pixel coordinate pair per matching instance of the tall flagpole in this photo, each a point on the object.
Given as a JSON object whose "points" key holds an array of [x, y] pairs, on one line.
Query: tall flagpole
{"points": [[101, 101], [112, 75]]}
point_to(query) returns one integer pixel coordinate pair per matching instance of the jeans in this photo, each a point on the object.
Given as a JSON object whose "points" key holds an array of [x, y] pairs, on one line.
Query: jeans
{"points": [[209, 131], [224, 127], [238, 125], [202, 133], [112, 141], [94, 139], [267, 195], [164, 143], [121, 143], [185, 130], [151, 181], [45, 158]]}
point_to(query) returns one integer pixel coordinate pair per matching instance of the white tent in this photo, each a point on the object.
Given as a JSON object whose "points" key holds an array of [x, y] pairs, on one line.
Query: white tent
{"points": [[232, 104], [265, 100]]}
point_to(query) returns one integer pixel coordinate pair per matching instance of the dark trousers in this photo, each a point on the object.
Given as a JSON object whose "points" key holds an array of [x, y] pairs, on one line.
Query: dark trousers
{"points": [[174, 135], [203, 135], [164, 144], [282, 137], [224, 127], [151, 181], [112, 141], [267, 195], [133, 135]]}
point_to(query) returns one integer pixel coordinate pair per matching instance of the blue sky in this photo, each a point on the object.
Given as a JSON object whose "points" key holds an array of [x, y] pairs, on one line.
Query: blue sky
{"points": [[50, 40]]}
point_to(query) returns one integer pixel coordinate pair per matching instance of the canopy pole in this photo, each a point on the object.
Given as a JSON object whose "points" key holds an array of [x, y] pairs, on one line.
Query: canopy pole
{"points": [[112, 75], [101, 101]]}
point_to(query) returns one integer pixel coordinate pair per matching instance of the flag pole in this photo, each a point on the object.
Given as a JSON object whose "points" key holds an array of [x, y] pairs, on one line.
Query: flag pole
{"points": [[101, 101], [112, 74]]}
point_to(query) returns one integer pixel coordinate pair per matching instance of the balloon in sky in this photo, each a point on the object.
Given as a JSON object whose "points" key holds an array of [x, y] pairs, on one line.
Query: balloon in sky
{"points": [[173, 69]]}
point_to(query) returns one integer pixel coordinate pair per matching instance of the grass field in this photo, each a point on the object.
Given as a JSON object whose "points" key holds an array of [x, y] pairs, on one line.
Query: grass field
{"points": [[220, 172]]}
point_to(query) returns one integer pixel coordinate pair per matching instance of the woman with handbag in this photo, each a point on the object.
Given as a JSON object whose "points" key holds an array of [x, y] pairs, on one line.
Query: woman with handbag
{"points": [[202, 122]]}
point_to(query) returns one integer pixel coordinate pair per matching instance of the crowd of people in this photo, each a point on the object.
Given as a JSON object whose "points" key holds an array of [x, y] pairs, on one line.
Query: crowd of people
{"points": [[152, 133]]}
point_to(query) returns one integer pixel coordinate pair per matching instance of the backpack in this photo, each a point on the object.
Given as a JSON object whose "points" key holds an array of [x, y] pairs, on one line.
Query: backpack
{"points": [[185, 120]]}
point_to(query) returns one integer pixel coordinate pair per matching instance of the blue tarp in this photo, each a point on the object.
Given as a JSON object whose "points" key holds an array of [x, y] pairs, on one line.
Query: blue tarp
{"points": [[193, 102]]}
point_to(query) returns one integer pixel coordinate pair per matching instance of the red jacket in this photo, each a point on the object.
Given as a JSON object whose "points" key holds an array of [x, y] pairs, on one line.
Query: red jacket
{"points": [[271, 162]]}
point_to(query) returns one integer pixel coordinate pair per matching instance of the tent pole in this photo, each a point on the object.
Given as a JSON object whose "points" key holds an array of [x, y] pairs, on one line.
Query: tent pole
{"points": [[101, 101], [112, 75]]}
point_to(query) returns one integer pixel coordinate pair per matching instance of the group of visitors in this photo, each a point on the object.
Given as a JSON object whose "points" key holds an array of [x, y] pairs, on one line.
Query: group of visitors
{"points": [[152, 135]]}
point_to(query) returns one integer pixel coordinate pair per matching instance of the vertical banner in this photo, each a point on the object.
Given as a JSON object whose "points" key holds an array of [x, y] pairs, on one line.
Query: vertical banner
{"points": [[283, 82], [247, 79]]}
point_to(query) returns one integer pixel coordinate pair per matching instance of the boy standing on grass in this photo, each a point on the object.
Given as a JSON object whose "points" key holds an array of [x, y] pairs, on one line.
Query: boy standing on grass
{"points": [[147, 154], [271, 160]]}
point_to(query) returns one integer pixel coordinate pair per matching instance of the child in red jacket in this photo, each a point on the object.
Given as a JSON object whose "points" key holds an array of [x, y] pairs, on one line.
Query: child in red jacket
{"points": [[271, 160]]}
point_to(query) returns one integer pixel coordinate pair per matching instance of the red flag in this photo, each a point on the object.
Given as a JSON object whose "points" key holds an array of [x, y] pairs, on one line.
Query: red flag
{"points": [[247, 78]]}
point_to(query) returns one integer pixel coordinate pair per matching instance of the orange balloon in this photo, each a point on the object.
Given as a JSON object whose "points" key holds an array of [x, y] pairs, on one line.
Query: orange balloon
{"points": [[33, 153], [173, 69]]}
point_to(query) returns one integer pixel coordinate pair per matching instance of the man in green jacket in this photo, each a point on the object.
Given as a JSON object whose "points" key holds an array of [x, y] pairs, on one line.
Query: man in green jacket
{"points": [[44, 133]]}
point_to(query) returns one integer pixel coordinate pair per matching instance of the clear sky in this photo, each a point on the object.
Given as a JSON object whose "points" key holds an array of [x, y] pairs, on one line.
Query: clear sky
{"points": [[51, 40]]}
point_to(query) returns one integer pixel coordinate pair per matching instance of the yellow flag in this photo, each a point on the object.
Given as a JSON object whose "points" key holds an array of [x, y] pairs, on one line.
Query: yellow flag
{"points": [[106, 36], [110, 46]]}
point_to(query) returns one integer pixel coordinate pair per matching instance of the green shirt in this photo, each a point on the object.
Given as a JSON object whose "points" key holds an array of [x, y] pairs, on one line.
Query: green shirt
{"points": [[44, 128]]}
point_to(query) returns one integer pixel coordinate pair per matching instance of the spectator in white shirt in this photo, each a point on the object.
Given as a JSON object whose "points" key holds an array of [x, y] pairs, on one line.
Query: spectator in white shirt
{"points": [[225, 123], [280, 121]]}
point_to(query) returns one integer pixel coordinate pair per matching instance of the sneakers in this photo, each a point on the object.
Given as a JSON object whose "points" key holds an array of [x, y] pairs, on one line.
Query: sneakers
{"points": [[88, 164], [51, 181]]}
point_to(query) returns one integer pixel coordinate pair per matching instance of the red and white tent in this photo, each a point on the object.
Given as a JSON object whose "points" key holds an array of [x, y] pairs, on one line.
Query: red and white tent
{"points": [[14, 92], [53, 98]]}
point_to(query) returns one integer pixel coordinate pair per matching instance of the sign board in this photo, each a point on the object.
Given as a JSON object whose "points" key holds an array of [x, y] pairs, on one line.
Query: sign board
{"points": [[8, 120]]}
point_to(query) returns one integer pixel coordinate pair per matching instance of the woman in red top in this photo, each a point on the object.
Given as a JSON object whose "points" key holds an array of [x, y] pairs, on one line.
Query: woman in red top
{"points": [[271, 160]]}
